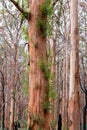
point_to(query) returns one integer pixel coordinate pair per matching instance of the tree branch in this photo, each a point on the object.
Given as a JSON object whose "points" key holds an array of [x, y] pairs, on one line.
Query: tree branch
{"points": [[26, 15]]}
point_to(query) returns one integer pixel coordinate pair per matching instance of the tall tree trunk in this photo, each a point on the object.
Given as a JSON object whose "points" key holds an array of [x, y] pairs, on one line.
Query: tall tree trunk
{"points": [[12, 110], [64, 95], [37, 116], [17, 106], [3, 110], [3, 100], [67, 88], [53, 101], [6, 95], [74, 97], [6, 112], [13, 89]]}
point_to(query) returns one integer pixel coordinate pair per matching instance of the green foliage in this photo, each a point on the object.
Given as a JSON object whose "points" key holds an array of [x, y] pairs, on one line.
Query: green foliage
{"points": [[41, 121], [46, 8], [25, 5], [46, 106], [37, 119], [34, 118], [45, 69], [45, 12], [50, 92], [41, 26], [53, 124], [24, 15], [49, 27], [23, 123], [25, 88], [24, 30]]}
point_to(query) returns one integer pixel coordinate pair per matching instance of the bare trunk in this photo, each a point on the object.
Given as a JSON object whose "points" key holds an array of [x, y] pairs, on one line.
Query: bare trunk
{"points": [[74, 98], [64, 96], [67, 88], [13, 89], [12, 110]]}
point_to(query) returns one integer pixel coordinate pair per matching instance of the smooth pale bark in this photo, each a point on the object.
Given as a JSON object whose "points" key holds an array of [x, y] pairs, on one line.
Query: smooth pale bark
{"points": [[67, 88], [65, 100], [17, 107], [3, 100], [74, 97], [12, 110], [6, 113], [37, 82], [8, 87], [6, 105], [64, 95], [13, 89]]}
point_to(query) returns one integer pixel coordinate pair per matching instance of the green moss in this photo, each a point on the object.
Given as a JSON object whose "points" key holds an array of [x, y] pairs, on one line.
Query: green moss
{"points": [[46, 8], [53, 124], [24, 30], [41, 121], [37, 119], [42, 26], [49, 88], [45, 69], [48, 76], [42, 65], [52, 93], [34, 118], [45, 11], [46, 106]]}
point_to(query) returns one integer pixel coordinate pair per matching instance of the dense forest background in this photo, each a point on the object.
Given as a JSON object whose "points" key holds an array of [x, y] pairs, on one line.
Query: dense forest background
{"points": [[43, 64]]}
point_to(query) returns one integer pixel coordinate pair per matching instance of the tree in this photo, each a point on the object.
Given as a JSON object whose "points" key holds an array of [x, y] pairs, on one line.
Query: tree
{"points": [[50, 92], [11, 63], [3, 99], [74, 97], [38, 99]]}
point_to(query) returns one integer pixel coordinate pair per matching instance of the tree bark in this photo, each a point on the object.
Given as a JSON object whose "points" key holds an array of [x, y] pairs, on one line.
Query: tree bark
{"points": [[64, 95], [13, 89], [37, 81], [12, 110], [74, 97], [67, 88], [3, 100]]}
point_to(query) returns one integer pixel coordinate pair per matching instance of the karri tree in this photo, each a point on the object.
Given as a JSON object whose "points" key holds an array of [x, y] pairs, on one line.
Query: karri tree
{"points": [[38, 117], [74, 97]]}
